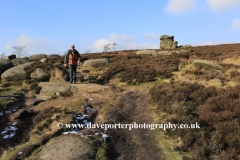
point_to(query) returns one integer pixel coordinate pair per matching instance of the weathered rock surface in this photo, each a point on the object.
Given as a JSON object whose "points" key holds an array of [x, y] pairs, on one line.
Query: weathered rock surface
{"points": [[200, 63], [59, 73], [37, 57], [148, 52], [10, 57], [89, 63], [53, 56], [38, 74], [5, 64], [167, 42], [169, 52], [67, 147], [44, 60], [15, 73], [18, 61], [154, 52], [174, 45], [165, 37], [51, 88]]}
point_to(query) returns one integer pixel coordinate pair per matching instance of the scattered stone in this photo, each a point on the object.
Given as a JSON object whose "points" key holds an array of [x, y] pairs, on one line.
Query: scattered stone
{"points": [[89, 63], [85, 71], [18, 61], [68, 147], [38, 74], [101, 77], [37, 57], [57, 93], [44, 60]]}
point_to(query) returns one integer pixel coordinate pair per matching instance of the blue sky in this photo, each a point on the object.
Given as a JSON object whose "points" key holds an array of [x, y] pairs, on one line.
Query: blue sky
{"points": [[51, 26]]}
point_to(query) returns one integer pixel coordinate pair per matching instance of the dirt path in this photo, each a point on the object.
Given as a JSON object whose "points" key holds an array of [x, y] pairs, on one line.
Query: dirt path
{"points": [[136, 143]]}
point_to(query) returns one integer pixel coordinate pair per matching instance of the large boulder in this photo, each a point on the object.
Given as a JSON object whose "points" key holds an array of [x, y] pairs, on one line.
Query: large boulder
{"points": [[89, 63], [51, 88], [15, 73], [18, 61], [147, 52], [68, 147], [199, 63], [39, 74], [10, 57], [165, 37], [37, 57], [58, 73], [5, 64], [53, 56], [167, 42]]}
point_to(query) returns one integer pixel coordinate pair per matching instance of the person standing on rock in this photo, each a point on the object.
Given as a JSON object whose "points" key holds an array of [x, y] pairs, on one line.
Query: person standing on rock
{"points": [[73, 57]]}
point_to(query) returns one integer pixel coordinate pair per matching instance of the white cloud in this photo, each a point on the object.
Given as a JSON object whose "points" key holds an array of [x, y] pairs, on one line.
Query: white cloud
{"points": [[236, 24], [123, 37], [180, 6], [98, 44], [219, 5], [7, 46], [135, 45], [151, 36], [36, 45], [204, 43], [125, 42]]}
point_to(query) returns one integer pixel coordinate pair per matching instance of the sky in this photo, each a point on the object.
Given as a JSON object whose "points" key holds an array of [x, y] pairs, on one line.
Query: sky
{"points": [[51, 26]]}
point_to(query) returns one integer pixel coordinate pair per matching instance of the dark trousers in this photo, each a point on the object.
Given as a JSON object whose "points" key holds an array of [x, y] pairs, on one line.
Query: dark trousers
{"points": [[72, 73]]}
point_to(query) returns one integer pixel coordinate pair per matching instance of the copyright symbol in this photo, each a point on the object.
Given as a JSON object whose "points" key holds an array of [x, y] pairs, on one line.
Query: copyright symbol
{"points": [[59, 125]]}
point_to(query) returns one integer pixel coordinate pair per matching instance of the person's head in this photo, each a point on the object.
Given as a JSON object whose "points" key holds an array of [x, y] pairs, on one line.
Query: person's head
{"points": [[72, 47]]}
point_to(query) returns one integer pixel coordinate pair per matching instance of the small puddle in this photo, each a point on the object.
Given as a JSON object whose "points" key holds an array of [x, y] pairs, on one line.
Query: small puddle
{"points": [[9, 131], [81, 118]]}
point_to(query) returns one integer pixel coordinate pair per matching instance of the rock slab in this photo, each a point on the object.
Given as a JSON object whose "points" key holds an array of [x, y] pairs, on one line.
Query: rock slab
{"points": [[200, 63], [51, 88], [67, 147], [18, 61], [37, 57]]}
